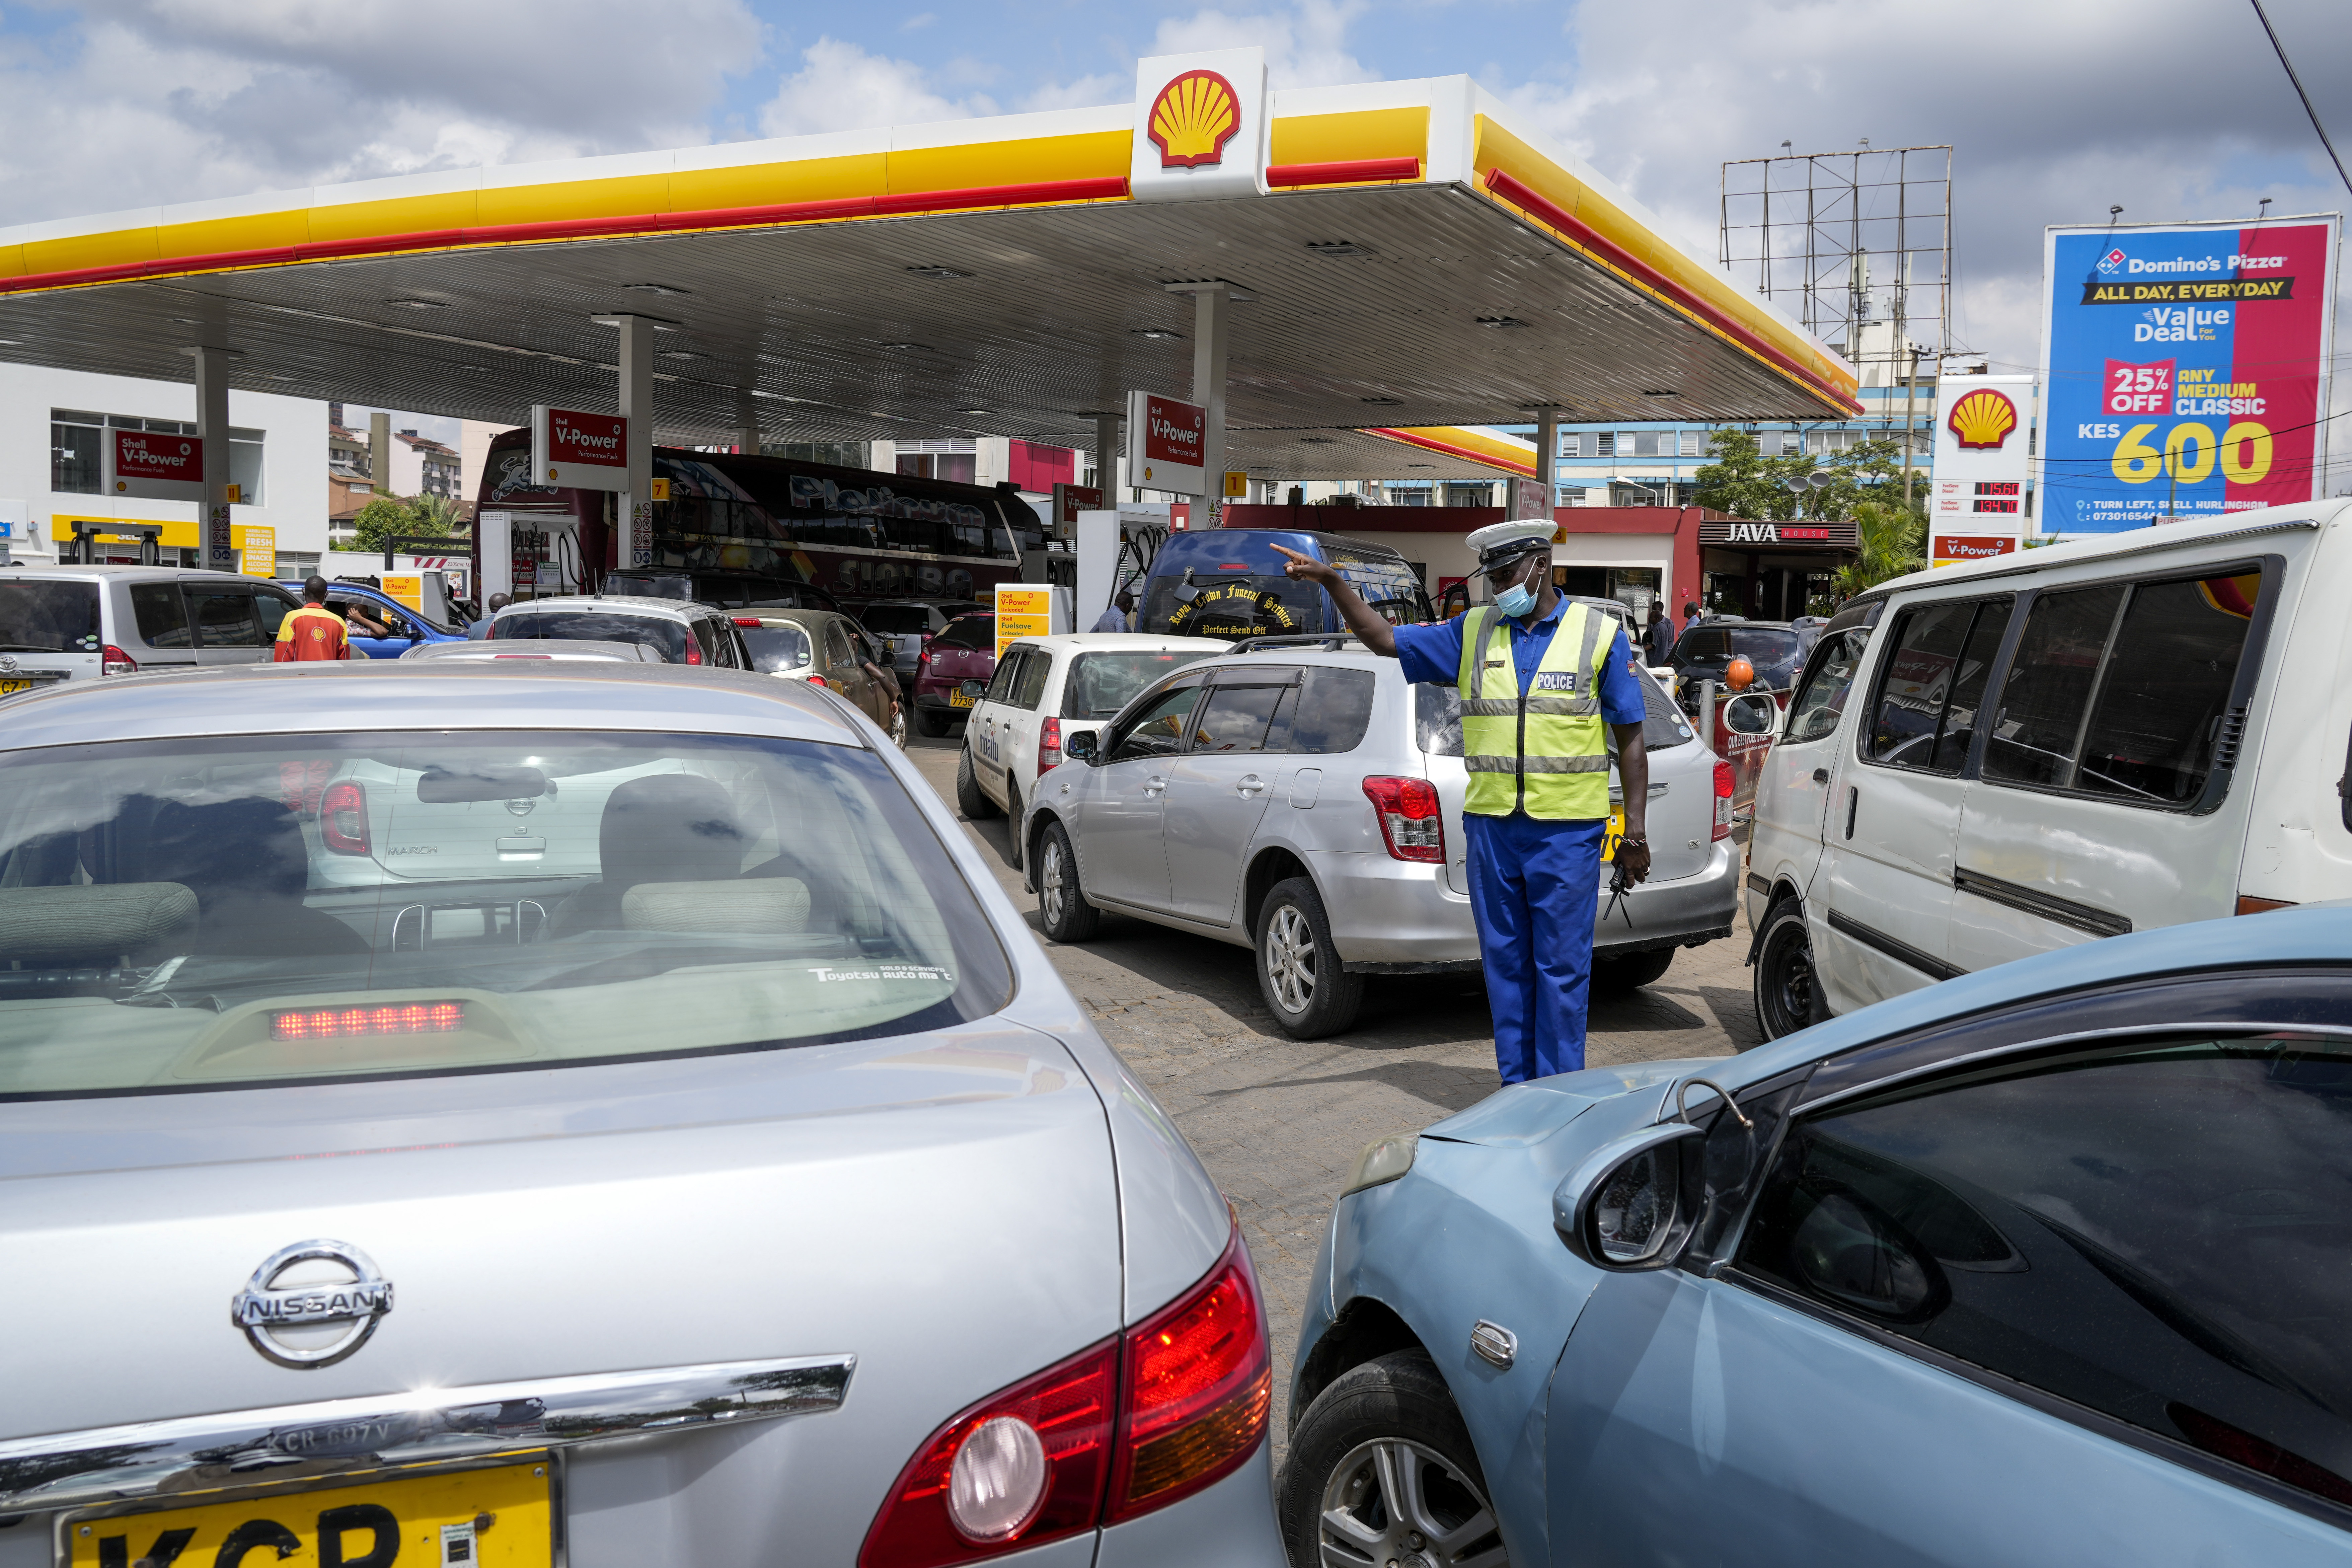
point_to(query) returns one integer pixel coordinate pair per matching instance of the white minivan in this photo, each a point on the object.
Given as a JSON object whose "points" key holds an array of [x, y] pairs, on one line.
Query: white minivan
{"points": [[1987, 761], [1047, 689]]}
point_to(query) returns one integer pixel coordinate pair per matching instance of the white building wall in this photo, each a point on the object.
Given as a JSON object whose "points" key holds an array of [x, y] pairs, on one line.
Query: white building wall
{"points": [[294, 454]]}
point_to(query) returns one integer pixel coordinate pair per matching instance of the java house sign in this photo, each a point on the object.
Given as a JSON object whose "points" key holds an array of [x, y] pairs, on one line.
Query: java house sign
{"points": [[1738, 534]]}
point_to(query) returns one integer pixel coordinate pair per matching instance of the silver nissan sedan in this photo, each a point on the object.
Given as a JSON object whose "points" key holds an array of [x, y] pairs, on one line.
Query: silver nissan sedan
{"points": [[587, 1114]]}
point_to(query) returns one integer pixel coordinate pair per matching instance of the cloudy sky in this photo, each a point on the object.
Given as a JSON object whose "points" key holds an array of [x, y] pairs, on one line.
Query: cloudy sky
{"points": [[2173, 109]]}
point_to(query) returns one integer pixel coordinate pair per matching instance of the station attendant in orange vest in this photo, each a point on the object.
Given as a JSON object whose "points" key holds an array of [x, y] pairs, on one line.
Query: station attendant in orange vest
{"points": [[314, 631]]}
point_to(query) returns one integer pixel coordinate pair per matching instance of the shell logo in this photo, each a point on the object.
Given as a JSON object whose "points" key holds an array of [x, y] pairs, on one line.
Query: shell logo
{"points": [[1983, 419], [1193, 118]]}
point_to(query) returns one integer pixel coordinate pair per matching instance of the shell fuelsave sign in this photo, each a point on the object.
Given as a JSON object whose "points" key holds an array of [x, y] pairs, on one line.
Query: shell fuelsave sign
{"points": [[2184, 369]]}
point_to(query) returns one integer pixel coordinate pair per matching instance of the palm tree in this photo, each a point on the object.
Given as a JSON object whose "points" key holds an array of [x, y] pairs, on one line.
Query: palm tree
{"points": [[1893, 541], [434, 515]]}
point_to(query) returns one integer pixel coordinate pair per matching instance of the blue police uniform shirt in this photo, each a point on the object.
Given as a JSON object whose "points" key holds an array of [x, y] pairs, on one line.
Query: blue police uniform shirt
{"points": [[1434, 653]]}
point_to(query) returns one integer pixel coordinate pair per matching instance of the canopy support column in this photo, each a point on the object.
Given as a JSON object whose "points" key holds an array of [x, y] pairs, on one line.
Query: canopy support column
{"points": [[1213, 307], [636, 520], [1107, 457], [211, 430]]}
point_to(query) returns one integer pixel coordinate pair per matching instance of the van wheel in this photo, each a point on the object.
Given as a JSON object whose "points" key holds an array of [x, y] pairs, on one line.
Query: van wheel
{"points": [[1788, 998], [1380, 1469], [930, 724], [1298, 969], [1061, 906], [975, 806], [1616, 976]]}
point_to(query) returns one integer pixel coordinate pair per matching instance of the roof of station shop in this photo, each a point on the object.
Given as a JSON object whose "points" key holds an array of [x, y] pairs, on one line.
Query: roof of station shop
{"points": [[1417, 259]]}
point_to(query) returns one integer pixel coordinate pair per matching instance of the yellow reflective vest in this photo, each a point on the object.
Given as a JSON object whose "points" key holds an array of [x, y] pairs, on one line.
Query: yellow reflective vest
{"points": [[1544, 753]]}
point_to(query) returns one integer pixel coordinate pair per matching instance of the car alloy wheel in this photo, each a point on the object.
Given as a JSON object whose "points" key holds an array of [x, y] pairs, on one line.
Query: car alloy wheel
{"points": [[1062, 907], [898, 727], [1291, 959], [1393, 1500]]}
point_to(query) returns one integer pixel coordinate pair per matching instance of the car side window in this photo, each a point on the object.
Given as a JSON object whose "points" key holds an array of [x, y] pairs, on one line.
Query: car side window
{"points": [[1157, 727], [1031, 686], [1932, 682], [224, 616], [161, 617], [1328, 712], [273, 608], [2122, 690], [1008, 671], [1820, 702], [1235, 717], [2156, 1230]]}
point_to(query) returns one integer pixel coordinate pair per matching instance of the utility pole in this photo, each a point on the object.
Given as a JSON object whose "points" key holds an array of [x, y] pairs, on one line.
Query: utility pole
{"points": [[1910, 411]]}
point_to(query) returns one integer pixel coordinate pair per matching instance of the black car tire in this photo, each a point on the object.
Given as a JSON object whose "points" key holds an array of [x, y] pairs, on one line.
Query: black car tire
{"points": [[1012, 821], [1298, 969], [1616, 976], [1062, 907], [1787, 995], [1394, 1407], [930, 724], [969, 799]]}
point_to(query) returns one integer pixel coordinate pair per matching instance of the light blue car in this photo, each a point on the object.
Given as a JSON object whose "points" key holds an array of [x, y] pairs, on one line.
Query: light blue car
{"points": [[2047, 1265]]}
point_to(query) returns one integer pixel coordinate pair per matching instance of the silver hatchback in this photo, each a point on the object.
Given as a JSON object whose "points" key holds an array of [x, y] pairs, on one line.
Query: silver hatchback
{"points": [[595, 1114], [1301, 798]]}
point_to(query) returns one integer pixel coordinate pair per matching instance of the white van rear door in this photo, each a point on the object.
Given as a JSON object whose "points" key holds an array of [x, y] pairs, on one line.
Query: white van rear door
{"points": [[1792, 794]]}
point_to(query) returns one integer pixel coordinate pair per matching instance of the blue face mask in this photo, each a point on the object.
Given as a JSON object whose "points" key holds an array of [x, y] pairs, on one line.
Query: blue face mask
{"points": [[1514, 601]]}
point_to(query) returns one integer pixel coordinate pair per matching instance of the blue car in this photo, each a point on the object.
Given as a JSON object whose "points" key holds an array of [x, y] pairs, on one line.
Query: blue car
{"points": [[2050, 1265], [409, 627]]}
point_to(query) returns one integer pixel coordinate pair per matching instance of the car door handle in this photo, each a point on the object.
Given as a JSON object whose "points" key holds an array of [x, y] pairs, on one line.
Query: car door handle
{"points": [[1852, 800], [1249, 784], [1821, 775], [1154, 785]]}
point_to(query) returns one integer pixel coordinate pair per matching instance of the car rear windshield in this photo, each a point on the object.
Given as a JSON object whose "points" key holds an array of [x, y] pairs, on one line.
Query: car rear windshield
{"points": [[667, 638], [41, 616], [1437, 719], [967, 632], [1760, 645], [775, 649], [201, 914], [898, 620], [1100, 683], [1386, 583], [1229, 605]]}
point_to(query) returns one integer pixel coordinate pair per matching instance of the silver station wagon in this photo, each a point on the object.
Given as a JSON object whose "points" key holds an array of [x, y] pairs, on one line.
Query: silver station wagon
{"points": [[587, 1113]]}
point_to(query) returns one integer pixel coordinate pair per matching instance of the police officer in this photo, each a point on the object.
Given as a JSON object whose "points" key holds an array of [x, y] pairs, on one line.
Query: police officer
{"points": [[1539, 678]]}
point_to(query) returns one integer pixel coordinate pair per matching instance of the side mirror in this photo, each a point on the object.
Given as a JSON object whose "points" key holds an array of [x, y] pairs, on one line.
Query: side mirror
{"points": [[1751, 713], [1083, 748], [1624, 1208]]}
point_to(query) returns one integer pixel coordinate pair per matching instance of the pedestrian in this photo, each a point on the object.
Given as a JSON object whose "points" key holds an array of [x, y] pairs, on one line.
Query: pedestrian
{"points": [[1114, 615], [1537, 813], [1659, 637], [1691, 616], [481, 627], [312, 631]]}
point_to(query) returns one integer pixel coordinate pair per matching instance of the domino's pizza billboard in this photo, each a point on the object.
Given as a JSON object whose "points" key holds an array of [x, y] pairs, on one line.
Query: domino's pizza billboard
{"points": [[2184, 369]]}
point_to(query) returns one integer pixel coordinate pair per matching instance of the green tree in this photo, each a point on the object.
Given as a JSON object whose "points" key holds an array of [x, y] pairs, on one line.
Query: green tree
{"points": [[1893, 542], [436, 515], [378, 521], [1746, 483]]}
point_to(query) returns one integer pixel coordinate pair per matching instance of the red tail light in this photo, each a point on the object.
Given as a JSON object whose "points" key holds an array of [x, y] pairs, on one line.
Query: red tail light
{"points": [[693, 652], [752, 621], [923, 657], [1049, 745], [117, 662], [344, 1023], [342, 818], [1173, 1405], [1411, 821], [815, 679], [1723, 787]]}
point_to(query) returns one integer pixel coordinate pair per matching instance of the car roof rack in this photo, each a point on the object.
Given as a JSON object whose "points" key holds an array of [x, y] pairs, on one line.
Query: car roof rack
{"points": [[1297, 639]]}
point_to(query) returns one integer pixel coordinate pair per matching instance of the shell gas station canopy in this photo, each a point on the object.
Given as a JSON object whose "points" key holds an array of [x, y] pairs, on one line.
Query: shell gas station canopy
{"points": [[1400, 258]]}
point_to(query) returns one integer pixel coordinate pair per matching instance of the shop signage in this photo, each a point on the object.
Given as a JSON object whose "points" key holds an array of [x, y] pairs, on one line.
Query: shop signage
{"points": [[145, 465], [259, 547], [1071, 500], [1165, 442], [1735, 534], [577, 451], [1201, 126], [1948, 548], [2184, 369], [1530, 500]]}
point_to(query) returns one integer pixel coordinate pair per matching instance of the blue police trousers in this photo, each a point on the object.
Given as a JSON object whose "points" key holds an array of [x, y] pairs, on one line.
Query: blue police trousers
{"points": [[1534, 888]]}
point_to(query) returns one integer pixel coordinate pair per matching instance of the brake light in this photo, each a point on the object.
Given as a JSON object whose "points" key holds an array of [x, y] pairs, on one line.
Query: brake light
{"points": [[1410, 819], [923, 657], [1067, 1412], [1199, 1384], [345, 1023], [1723, 787], [342, 818], [815, 679], [117, 662], [693, 652], [1173, 1405], [752, 621], [1049, 745]]}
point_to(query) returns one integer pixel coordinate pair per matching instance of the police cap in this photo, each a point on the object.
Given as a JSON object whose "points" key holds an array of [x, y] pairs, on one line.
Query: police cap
{"points": [[1501, 543]]}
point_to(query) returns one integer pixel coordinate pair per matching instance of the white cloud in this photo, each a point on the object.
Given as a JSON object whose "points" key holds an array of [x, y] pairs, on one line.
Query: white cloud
{"points": [[1305, 45], [840, 86]]}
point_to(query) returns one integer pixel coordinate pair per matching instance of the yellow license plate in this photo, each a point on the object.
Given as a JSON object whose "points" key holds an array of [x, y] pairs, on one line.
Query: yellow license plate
{"points": [[9, 688], [1614, 836], [959, 700], [502, 1517]]}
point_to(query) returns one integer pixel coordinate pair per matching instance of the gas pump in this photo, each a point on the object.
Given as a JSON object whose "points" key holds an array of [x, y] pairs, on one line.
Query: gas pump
{"points": [[1114, 549]]}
